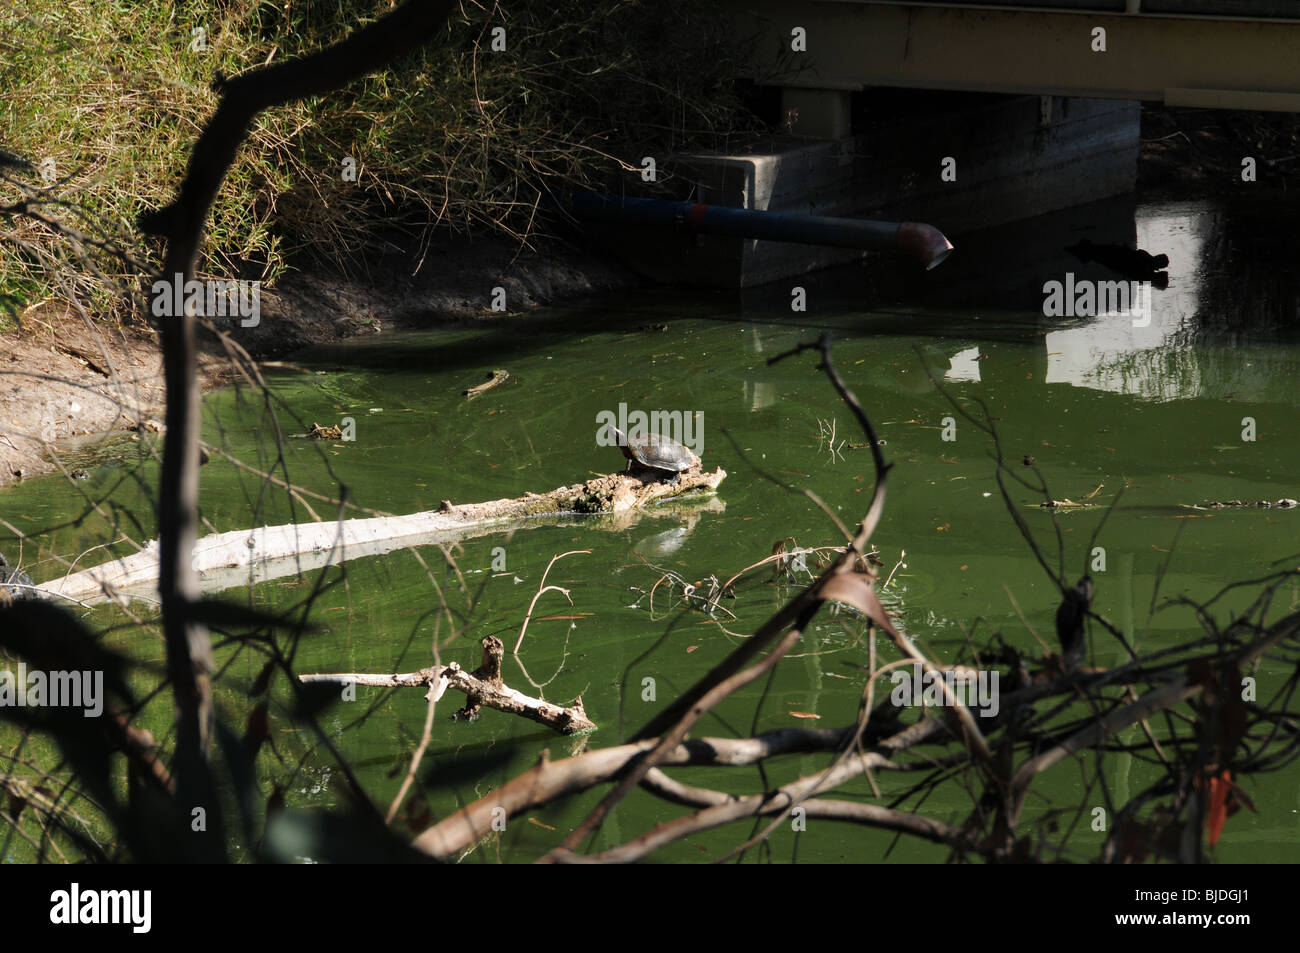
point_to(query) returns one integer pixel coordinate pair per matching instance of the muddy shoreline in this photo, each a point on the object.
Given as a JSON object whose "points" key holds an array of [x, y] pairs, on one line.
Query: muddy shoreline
{"points": [[64, 380]]}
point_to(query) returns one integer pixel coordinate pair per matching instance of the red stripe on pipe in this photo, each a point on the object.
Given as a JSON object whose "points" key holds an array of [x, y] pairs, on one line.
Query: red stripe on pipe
{"points": [[695, 215]]}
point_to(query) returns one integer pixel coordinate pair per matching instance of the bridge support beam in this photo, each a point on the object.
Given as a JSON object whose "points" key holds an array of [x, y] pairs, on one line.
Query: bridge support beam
{"points": [[1192, 61]]}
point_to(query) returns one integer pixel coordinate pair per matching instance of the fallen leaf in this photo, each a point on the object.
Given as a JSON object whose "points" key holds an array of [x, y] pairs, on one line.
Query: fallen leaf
{"points": [[855, 589]]}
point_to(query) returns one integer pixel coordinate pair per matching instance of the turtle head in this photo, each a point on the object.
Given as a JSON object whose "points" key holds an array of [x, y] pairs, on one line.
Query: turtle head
{"points": [[623, 445]]}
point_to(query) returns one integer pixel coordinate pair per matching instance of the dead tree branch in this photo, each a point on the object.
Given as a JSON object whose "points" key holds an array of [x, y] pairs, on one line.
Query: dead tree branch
{"points": [[482, 687]]}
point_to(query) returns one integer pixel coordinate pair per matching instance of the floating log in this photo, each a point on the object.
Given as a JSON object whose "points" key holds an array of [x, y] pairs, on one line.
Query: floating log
{"points": [[248, 556]]}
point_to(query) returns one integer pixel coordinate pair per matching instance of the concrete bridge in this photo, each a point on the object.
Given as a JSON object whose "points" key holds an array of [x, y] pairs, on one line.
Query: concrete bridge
{"points": [[963, 114], [1221, 54]]}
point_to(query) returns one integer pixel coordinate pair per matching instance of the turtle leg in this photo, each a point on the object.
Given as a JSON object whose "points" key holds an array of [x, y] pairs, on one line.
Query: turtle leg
{"points": [[674, 478]]}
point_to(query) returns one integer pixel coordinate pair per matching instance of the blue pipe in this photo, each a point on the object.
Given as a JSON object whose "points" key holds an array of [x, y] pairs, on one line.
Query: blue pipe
{"points": [[924, 242]]}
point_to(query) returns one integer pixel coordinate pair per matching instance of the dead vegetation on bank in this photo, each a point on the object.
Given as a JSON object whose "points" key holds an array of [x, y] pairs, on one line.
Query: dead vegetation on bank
{"points": [[411, 196], [476, 132], [1204, 147]]}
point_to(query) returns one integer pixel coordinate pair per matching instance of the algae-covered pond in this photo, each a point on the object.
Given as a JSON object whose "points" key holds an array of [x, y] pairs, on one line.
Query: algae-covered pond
{"points": [[1100, 405]]}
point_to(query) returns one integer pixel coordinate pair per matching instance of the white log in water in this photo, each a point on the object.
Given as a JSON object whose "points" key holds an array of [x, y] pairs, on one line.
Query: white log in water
{"points": [[249, 556]]}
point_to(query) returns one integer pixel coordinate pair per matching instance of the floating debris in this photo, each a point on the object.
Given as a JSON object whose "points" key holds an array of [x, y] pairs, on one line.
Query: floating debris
{"points": [[494, 378], [318, 432]]}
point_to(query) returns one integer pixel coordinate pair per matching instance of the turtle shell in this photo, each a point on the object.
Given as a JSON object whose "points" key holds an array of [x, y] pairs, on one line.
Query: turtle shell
{"points": [[656, 452]]}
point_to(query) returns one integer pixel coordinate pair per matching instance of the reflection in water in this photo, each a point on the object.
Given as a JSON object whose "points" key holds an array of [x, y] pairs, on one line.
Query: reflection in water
{"points": [[1222, 329], [965, 366], [759, 394], [1110, 353], [663, 544]]}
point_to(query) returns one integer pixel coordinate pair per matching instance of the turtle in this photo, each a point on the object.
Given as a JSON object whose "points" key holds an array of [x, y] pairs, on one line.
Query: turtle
{"points": [[14, 583], [653, 452]]}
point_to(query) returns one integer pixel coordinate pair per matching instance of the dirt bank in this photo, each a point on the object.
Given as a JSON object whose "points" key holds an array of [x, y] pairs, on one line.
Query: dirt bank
{"points": [[63, 378]]}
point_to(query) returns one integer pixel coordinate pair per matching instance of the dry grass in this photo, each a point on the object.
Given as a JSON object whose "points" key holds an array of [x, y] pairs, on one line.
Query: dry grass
{"points": [[113, 93]]}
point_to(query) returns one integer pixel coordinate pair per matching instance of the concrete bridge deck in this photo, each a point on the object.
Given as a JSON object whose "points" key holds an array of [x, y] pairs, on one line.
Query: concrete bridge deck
{"points": [[1034, 109], [1228, 54]]}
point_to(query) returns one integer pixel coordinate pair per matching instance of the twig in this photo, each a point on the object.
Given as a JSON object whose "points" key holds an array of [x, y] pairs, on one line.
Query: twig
{"points": [[543, 588]]}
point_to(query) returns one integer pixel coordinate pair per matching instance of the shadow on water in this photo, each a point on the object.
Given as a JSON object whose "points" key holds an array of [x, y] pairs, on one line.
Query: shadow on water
{"points": [[1229, 274]]}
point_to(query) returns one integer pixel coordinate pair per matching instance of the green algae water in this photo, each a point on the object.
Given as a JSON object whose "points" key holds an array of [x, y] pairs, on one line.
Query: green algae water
{"points": [[1199, 406]]}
